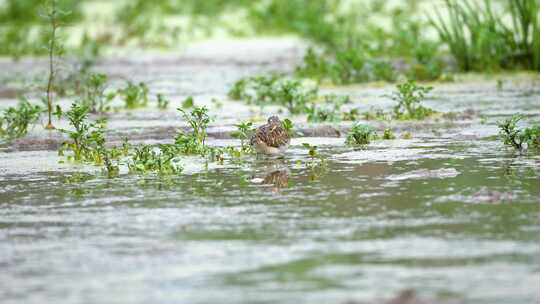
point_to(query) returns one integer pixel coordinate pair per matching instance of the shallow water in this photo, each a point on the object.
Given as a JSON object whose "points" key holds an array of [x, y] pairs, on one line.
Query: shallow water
{"points": [[450, 213], [268, 231]]}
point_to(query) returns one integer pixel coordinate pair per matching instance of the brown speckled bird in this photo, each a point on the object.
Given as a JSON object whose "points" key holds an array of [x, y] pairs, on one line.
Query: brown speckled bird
{"points": [[271, 138]]}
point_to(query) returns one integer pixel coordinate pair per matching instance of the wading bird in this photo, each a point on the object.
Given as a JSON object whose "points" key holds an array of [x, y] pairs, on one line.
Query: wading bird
{"points": [[271, 138]]}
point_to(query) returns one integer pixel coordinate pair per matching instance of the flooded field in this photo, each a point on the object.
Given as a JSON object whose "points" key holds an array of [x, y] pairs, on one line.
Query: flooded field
{"points": [[449, 213]]}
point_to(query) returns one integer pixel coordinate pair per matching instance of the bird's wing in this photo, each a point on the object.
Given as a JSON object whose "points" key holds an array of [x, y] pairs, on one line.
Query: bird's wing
{"points": [[273, 135]]}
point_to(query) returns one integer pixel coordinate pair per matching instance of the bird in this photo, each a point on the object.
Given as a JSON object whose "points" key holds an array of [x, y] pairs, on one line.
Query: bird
{"points": [[271, 138]]}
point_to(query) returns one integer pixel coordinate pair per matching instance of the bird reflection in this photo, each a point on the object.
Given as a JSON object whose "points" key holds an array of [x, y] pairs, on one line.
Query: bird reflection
{"points": [[275, 174], [279, 179]]}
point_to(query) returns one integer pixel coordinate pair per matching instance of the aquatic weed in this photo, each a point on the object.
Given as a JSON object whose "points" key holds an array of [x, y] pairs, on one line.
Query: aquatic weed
{"points": [[317, 164], [409, 97], [244, 132], [361, 135], [88, 143], [135, 95], [93, 93], [329, 111], [518, 138], [351, 115], [162, 102], [194, 142], [160, 159], [292, 94], [14, 121], [388, 134], [511, 134]]}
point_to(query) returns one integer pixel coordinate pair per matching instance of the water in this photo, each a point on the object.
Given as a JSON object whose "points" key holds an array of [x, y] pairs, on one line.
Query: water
{"points": [[360, 230], [451, 213]]}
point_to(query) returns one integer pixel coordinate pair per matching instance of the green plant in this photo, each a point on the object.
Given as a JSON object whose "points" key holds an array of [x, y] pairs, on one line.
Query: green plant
{"points": [[511, 134], [159, 159], [93, 93], [388, 134], [162, 102], [330, 112], [479, 37], [135, 95], [288, 126], [14, 122], [351, 115], [376, 114], [409, 97], [533, 136], [312, 151], [53, 15], [245, 129], [188, 103], [261, 90], [194, 142], [22, 30], [317, 164], [360, 135], [406, 135], [516, 137], [87, 139]]}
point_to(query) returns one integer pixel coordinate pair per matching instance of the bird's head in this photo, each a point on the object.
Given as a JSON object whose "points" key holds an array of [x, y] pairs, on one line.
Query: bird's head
{"points": [[274, 120]]}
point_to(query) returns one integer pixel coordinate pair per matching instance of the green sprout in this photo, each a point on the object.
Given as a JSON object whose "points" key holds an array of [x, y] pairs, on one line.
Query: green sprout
{"points": [[318, 165], [245, 129], [409, 97], [288, 126]]}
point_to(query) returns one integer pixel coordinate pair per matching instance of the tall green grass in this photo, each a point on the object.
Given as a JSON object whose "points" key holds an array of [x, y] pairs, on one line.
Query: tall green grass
{"points": [[22, 26], [480, 37]]}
